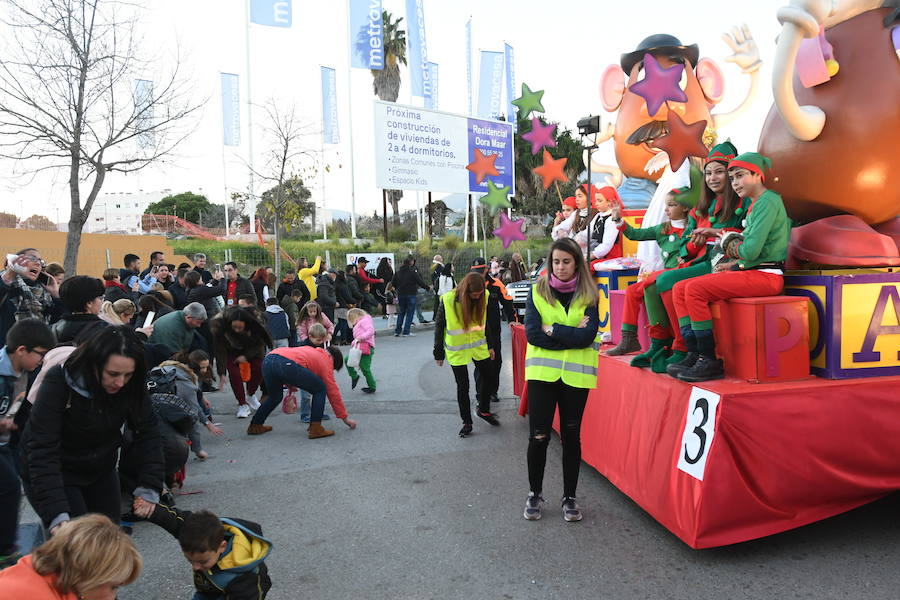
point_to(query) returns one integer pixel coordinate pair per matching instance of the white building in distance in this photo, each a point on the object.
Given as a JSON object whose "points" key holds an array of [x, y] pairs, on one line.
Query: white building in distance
{"points": [[121, 212]]}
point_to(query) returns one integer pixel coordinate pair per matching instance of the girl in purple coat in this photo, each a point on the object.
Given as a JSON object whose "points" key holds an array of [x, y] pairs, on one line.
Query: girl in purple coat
{"points": [[364, 340]]}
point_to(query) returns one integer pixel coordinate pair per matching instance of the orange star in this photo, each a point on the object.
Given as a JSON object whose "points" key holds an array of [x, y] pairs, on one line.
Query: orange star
{"points": [[551, 170], [682, 141], [482, 166]]}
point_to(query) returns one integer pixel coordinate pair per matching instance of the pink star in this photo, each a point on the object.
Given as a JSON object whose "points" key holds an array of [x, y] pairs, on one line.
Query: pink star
{"points": [[509, 230], [540, 135], [659, 85]]}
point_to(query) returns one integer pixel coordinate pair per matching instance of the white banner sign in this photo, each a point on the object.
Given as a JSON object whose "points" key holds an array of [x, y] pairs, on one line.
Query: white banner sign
{"points": [[374, 258], [699, 430], [428, 150]]}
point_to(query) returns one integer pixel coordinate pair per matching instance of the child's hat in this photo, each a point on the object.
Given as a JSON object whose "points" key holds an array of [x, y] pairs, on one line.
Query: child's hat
{"points": [[724, 153], [611, 195], [570, 202], [688, 196], [753, 162]]}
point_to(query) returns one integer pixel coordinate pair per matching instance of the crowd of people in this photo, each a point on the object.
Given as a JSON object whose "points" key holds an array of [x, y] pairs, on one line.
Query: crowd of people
{"points": [[103, 383]]}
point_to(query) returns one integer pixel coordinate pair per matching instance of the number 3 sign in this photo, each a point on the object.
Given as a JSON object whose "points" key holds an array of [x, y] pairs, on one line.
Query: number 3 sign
{"points": [[699, 429]]}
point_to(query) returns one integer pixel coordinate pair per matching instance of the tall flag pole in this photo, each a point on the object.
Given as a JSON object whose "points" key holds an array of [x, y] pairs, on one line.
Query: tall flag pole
{"points": [[469, 64]]}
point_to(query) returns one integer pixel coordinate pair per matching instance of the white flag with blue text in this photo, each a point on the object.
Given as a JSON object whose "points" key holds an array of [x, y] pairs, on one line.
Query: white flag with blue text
{"points": [[231, 109], [418, 53], [366, 35], [490, 84], [330, 133]]}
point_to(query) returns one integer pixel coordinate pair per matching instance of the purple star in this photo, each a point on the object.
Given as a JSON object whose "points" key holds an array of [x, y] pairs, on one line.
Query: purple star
{"points": [[509, 230], [659, 85], [540, 135]]}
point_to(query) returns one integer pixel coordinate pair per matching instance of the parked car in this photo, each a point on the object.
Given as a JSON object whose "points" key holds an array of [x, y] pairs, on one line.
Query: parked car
{"points": [[519, 289]]}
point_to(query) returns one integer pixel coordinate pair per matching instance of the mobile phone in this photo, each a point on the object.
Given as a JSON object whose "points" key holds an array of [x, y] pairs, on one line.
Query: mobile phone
{"points": [[218, 267], [43, 278], [149, 320]]}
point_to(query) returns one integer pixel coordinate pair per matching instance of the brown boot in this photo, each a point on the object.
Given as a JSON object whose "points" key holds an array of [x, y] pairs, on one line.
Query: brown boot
{"points": [[257, 429], [317, 431], [628, 344]]}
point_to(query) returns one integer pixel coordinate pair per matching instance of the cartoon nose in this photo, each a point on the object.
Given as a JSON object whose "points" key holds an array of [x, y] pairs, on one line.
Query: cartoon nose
{"points": [[679, 108]]}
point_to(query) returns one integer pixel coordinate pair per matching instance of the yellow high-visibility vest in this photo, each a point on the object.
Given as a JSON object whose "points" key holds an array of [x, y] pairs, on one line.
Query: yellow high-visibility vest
{"points": [[463, 345], [576, 367]]}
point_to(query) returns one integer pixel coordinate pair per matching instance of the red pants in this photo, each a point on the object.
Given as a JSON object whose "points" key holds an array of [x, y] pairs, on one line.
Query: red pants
{"points": [[237, 384], [695, 296], [634, 297]]}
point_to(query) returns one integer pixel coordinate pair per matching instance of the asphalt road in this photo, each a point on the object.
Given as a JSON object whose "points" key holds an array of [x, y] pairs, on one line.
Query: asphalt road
{"points": [[403, 508]]}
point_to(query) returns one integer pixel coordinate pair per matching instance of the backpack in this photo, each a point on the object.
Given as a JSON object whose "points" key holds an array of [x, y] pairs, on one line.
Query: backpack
{"points": [[168, 405]]}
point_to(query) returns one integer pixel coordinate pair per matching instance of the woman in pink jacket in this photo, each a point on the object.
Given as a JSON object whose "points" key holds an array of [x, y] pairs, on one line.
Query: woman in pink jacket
{"points": [[364, 340], [310, 314]]}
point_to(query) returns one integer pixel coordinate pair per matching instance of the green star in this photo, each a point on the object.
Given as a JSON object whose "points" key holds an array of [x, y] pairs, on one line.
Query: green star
{"points": [[529, 101], [496, 198]]}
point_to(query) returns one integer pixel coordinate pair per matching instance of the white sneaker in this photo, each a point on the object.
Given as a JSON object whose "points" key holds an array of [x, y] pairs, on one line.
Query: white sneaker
{"points": [[253, 401], [243, 411]]}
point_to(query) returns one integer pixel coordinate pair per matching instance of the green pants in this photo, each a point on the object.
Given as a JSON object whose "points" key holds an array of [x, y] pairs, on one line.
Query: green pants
{"points": [[365, 365], [656, 312]]}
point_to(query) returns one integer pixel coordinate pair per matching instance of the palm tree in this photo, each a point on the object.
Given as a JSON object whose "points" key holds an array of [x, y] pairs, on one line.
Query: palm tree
{"points": [[386, 82], [531, 197]]}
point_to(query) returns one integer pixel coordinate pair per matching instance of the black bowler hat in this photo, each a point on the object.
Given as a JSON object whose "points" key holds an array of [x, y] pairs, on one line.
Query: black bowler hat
{"points": [[659, 43]]}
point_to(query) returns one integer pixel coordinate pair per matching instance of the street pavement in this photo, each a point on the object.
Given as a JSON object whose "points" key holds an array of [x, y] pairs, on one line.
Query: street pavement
{"points": [[403, 508]]}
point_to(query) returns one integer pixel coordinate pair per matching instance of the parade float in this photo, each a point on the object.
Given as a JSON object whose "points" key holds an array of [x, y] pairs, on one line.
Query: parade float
{"points": [[804, 426]]}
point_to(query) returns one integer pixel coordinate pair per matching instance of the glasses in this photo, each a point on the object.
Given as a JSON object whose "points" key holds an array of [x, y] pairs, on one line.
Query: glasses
{"points": [[41, 353], [35, 259]]}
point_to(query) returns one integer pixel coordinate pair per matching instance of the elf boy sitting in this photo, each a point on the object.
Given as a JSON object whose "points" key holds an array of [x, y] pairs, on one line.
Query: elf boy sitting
{"points": [[753, 266]]}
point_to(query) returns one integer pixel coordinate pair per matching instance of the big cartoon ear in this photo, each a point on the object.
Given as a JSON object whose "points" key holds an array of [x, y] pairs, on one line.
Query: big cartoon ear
{"points": [[711, 80], [612, 87]]}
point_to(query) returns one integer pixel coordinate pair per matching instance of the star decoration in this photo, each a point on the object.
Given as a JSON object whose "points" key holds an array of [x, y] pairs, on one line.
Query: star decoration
{"points": [[510, 230], [529, 101], [482, 166], [683, 140], [551, 170], [540, 135], [659, 85], [496, 198]]}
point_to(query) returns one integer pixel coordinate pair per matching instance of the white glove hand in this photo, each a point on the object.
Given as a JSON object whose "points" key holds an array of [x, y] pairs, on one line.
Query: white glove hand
{"points": [[745, 53]]}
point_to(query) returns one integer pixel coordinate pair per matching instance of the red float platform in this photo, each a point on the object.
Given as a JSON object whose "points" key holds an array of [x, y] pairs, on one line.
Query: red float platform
{"points": [[777, 455]]}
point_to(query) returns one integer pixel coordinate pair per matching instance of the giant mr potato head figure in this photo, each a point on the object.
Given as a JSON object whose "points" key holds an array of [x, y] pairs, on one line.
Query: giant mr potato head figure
{"points": [[834, 132], [636, 130]]}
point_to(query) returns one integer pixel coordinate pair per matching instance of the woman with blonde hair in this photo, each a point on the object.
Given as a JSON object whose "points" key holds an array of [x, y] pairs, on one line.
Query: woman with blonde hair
{"points": [[119, 312], [89, 558], [561, 323], [460, 336]]}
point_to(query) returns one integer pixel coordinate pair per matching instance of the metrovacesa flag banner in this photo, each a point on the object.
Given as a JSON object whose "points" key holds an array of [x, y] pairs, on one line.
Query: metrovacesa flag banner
{"points": [[431, 100], [418, 53], [510, 61], [366, 35], [143, 121], [231, 109], [330, 133], [272, 13], [490, 84]]}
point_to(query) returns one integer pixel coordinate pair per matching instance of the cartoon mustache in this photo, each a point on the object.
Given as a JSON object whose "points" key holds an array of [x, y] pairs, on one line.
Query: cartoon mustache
{"points": [[646, 132]]}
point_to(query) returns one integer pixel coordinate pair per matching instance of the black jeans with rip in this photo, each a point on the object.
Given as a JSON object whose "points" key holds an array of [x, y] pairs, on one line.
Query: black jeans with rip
{"points": [[543, 398]]}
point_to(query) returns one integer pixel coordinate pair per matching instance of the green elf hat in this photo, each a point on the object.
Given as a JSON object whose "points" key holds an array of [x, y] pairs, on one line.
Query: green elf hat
{"points": [[723, 153], [688, 196], [753, 162]]}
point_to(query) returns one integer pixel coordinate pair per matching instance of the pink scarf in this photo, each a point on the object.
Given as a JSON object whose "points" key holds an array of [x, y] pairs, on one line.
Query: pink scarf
{"points": [[564, 287]]}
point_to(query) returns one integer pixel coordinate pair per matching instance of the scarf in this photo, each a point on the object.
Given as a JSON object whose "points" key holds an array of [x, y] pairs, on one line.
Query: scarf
{"points": [[564, 287], [115, 284]]}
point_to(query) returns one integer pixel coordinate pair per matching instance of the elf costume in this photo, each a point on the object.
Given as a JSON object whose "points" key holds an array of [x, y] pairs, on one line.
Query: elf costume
{"points": [[759, 253], [669, 238], [697, 261]]}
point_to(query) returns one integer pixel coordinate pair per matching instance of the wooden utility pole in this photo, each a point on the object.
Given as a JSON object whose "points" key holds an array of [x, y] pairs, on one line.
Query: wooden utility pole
{"points": [[430, 218], [384, 214]]}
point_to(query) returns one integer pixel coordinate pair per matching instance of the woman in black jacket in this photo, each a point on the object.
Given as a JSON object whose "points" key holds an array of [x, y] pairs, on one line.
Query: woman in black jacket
{"points": [[71, 442], [345, 301], [385, 273]]}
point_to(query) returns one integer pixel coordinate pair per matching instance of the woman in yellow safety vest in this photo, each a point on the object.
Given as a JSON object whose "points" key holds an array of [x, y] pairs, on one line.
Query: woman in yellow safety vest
{"points": [[561, 323], [461, 336]]}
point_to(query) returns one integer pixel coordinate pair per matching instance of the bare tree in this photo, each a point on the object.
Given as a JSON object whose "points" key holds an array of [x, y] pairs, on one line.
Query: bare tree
{"points": [[285, 133], [72, 97]]}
